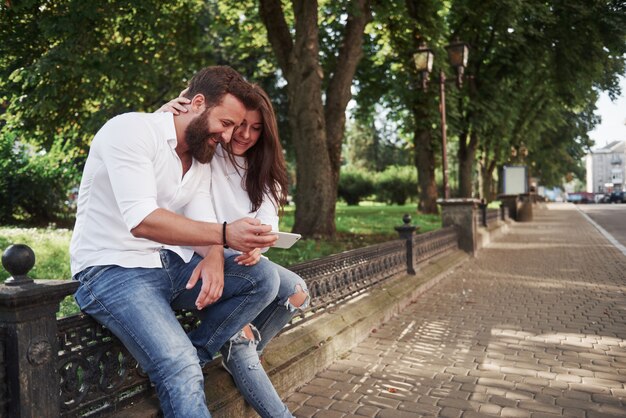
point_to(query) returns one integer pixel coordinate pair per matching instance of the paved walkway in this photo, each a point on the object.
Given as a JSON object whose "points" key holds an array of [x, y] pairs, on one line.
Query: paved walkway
{"points": [[534, 326]]}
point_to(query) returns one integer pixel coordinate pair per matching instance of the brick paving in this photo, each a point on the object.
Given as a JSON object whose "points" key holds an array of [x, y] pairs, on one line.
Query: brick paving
{"points": [[534, 326]]}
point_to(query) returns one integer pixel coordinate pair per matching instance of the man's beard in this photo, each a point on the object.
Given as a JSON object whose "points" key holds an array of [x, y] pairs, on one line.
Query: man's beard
{"points": [[199, 138]]}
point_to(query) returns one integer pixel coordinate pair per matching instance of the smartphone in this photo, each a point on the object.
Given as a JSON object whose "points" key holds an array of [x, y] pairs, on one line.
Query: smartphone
{"points": [[285, 239]]}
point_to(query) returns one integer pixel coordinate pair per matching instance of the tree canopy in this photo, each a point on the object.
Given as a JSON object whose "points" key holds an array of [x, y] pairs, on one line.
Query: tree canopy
{"points": [[535, 70]]}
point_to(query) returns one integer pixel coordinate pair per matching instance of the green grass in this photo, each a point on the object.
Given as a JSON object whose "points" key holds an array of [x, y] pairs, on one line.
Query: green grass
{"points": [[52, 259], [357, 226]]}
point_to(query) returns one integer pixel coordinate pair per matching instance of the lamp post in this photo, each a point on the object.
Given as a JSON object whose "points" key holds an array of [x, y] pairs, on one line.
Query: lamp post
{"points": [[423, 59]]}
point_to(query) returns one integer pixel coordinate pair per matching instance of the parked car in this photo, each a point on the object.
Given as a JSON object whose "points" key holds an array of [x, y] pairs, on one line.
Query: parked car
{"points": [[580, 197], [617, 197]]}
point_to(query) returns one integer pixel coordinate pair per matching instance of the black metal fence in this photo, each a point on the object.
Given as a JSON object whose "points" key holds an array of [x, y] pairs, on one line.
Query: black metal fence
{"points": [[97, 375], [486, 217]]}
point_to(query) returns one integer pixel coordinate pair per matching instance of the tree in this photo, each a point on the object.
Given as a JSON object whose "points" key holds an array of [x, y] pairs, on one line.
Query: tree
{"points": [[67, 66], [316, 125], [374, 148], [527, 56], [387, 77]]}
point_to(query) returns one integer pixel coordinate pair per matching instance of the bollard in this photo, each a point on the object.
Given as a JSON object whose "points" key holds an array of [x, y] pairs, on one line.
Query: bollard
{"points": [[510, 201], [406, 232], [28, 315], [483, 213], [525, 208]]}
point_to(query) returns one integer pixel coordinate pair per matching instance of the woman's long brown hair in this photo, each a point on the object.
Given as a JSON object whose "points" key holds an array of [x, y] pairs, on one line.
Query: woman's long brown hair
{"points": [[266, 167]]}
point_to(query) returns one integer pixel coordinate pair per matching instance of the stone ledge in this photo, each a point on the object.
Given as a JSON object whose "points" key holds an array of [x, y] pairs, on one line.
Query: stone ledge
{"points": [[294, 357]]}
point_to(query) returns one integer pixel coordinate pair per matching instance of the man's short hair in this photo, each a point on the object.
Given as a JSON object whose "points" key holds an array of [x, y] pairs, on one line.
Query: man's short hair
{"points": [[216, 81]]}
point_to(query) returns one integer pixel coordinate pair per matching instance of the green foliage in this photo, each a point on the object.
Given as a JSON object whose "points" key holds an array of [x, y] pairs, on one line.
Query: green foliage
{"points": [[68, 66], [11, 159], [373, 148], [535, 68], [354, 185], [37, 184], [396, 184]]}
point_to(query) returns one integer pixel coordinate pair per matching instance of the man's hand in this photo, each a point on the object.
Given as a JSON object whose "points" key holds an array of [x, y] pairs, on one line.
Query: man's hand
{"points": [[250, 258], [211, 271], [247, 234]]}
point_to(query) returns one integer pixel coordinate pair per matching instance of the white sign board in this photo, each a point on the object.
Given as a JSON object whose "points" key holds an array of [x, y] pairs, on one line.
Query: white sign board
{"points": [[515, 179]]}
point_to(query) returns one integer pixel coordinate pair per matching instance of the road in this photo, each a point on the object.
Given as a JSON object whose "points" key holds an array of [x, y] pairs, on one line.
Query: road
{"points": [[611, 217]]}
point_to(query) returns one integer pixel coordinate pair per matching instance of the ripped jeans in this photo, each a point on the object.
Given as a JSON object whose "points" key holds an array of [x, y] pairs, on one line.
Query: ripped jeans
{"points": [[241, 355], [136, 304]]}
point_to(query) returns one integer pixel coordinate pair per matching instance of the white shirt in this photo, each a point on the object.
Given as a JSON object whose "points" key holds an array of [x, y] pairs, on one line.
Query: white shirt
{"points": [[230, 199], [133, 169]]}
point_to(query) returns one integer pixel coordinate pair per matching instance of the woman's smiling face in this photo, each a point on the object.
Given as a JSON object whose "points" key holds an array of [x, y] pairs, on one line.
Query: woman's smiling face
{"points": [[248, 132]]}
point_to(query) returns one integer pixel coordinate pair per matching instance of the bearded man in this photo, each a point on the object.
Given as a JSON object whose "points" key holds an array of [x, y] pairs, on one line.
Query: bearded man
{"points": [[146, 243]]}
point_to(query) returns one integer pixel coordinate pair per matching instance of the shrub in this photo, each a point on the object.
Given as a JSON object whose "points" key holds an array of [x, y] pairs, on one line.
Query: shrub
{"points": [[354, 185], [12, 160], [396, 184], [38, 184]]}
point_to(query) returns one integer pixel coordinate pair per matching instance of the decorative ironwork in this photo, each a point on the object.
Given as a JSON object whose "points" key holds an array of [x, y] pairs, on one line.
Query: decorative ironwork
{"points": [[334, 279], [95, 370], [39, 352], [97, 374], [431, 244]]}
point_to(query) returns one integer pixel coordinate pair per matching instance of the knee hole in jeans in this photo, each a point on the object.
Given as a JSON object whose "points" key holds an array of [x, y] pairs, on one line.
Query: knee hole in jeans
{"points": [[300, 298]]}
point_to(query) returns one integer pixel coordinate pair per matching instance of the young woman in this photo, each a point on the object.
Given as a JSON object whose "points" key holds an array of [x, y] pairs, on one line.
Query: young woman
{"points": [[250, 180]]}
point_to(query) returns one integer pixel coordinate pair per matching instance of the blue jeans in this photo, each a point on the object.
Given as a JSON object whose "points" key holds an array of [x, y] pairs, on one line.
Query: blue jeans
{"points": [[136, 304], [278, 313], [241, 355]]}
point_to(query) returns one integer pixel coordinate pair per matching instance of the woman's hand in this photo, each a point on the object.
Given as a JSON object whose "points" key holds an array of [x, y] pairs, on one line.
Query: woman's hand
{"points": [[177, 105], [250, 258]]}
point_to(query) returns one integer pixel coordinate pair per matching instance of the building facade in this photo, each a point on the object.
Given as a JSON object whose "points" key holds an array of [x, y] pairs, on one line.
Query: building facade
{"points": [[606, 168]]}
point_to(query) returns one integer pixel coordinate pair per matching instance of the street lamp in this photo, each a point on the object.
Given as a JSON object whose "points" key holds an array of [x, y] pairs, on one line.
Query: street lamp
{"points": [[458, 53]]}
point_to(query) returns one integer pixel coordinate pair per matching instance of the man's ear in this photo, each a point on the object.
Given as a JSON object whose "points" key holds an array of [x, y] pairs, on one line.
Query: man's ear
{"points": [[198, 103]]}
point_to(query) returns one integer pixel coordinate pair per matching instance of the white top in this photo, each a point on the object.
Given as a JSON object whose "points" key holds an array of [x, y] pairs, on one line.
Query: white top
{"points": [[133, 169], [230, 199]]}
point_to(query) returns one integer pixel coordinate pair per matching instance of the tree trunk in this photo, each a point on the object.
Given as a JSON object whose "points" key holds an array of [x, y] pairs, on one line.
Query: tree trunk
{"points": [[317, 131], [425, 164], [338, 93], [315, 190], [487, 169], [466, 155]]}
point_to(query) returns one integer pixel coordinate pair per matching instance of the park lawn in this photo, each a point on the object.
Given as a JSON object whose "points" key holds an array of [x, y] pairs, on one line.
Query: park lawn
{"points": [[357, 226]]}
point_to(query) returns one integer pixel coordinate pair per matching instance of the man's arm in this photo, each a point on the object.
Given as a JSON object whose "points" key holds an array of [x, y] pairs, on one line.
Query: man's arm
{"points": [[167, 227]]}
